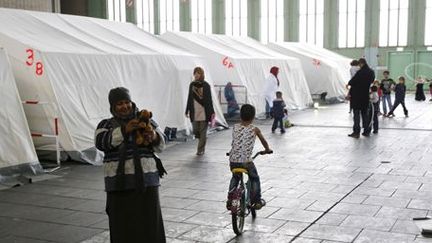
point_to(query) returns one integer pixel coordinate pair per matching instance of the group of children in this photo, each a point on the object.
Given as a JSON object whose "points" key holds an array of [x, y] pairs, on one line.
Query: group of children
{"points": [[380, 91]]}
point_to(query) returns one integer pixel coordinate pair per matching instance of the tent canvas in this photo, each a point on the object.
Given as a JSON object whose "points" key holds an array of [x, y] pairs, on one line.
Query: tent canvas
{"points": [[17, 153], [231, 61], [83, 58], [325, 70]]}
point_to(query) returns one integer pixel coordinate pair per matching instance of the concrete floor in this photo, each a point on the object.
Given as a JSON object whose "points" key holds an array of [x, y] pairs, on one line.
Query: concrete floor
{"points": [[320, 186]]}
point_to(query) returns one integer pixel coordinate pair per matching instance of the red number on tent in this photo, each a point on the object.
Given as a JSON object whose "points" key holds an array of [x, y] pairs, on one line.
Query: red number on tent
{"points": [[225, 61], [30, 57], [39, 68]]}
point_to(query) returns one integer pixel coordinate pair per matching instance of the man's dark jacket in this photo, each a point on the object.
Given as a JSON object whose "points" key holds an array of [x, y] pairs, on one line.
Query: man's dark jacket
{"points": [[360, 85]]}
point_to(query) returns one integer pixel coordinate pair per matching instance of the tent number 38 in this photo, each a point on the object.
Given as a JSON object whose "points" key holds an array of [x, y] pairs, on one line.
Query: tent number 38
{"points": [[30, 61]]}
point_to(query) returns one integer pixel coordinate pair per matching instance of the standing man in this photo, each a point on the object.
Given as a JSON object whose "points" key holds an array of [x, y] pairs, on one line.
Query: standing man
{"points": [[199, 108], [271, 86], [360, 85]]}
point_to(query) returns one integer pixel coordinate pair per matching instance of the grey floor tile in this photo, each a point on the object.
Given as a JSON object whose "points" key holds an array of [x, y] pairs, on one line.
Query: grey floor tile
{"points": [[333, 219], [177, 215], [208, 234], [16, 239], [82, 219], [290, 203], [208, 206], [256, 237], [335, 233], [387, 201], [355, 209], [296, 215], [103, 237], [292, 228], [384, 237], [210, 219], [262, 224], [420, 204], [173, 229], [174, 202], [405, 227], [382, 224], [400, 213]]}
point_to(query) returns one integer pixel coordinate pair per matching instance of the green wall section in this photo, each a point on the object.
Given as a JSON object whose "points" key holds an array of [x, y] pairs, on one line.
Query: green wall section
{"points": [[97, 9]]}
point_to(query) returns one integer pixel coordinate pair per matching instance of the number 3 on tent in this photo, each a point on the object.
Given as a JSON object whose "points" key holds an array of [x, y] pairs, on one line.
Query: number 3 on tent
{"points": [[30, 57]]}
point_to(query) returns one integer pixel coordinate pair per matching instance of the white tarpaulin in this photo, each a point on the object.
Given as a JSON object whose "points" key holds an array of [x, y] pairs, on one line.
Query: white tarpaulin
{"points": [[232, 61], [16, 145], [72, 62], [325, 70]]}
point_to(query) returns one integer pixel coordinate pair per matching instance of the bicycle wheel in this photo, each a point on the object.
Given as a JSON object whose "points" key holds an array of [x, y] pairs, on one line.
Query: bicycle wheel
{"points": [[238, 216], [252, 210]]}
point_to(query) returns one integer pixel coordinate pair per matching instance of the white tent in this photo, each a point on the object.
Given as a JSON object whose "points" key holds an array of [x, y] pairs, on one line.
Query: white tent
{"points": [[231, 61], [325, 70], [83, 58], [17, 153]]}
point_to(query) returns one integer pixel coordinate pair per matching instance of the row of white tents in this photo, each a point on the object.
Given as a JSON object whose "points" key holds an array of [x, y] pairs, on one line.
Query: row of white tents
{"points": [[69, 63]]}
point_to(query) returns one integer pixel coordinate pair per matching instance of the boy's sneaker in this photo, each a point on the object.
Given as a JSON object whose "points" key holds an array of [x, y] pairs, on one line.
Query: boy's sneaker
{"points": [[273, 131], [228, 204], [259, 205], [282, 131], [375, 132]]}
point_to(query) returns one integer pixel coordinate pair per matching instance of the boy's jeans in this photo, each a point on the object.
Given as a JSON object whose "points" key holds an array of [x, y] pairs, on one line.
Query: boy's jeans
{"points": [[278, 122], [386, 98], [253, 177]]}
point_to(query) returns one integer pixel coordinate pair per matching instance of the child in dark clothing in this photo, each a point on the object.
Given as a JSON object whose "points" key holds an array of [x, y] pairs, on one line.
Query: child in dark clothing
{"points": [[400, 90], [374, 98], [278, 112]]}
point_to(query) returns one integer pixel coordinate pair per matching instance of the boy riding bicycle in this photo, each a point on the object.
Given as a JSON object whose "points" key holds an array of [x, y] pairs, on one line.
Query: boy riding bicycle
{"points": [[244, 135]]}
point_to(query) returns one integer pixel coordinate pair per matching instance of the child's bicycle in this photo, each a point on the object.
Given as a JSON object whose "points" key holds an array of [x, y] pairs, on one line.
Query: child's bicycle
{"points": [[241, 200]]}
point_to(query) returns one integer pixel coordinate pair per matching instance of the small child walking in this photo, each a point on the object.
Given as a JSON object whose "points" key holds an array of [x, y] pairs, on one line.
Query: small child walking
{"points": [[374, 98], [278, 112], [400, 90], [240, 156]]}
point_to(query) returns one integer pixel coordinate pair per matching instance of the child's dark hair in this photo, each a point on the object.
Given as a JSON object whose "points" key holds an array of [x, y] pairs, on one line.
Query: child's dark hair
{"points": [[374, 88], [247, 112], [402, 78], [278, 94], [386, 72], [354, 63]]}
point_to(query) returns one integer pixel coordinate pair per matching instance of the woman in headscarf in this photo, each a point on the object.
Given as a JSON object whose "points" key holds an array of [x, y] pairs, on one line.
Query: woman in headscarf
{"points": [[199, 108], [271, 86], [131, 173], [231, 100]]}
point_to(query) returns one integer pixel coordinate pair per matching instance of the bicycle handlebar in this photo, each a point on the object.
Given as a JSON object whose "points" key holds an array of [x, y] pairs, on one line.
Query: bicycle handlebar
{"points": [[257, 153]]}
